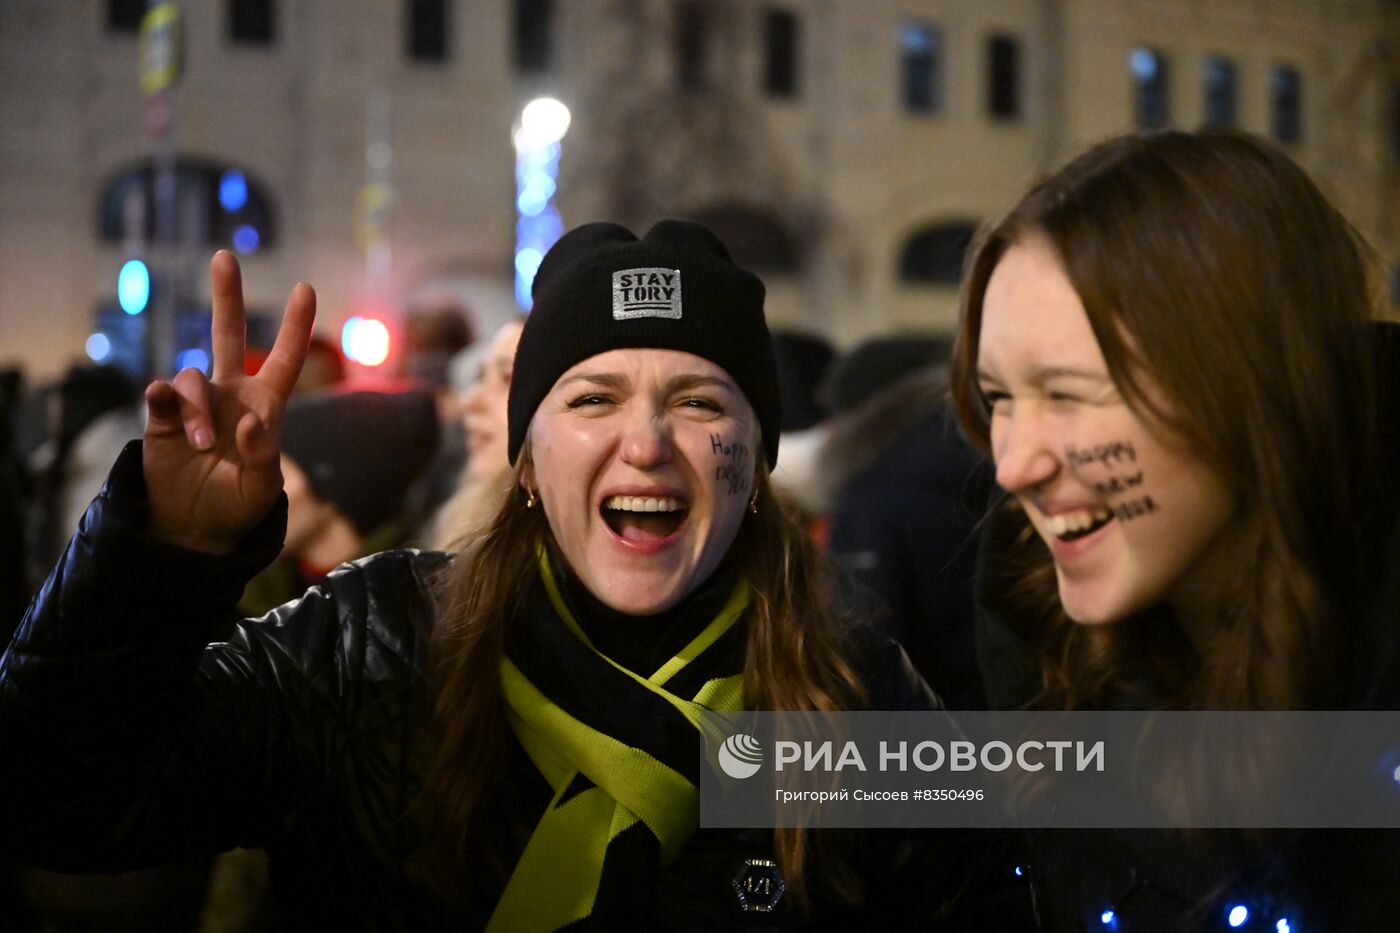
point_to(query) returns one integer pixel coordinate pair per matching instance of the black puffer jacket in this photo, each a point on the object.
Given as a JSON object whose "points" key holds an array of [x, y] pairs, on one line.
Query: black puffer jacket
{"points": [[141, 721]]}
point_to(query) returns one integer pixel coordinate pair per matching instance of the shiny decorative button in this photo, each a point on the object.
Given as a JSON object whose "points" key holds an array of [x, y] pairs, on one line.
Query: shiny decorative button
{"points": [[758, 885]]}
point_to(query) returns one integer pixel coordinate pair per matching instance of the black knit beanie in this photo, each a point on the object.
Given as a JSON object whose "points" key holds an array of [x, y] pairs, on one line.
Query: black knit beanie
{"points": [[361, 451], [599, 288]]}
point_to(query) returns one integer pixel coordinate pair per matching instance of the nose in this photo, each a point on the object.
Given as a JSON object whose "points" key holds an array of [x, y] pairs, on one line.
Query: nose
{"points": [[473, 400], [646, 440], [1024, 449]]}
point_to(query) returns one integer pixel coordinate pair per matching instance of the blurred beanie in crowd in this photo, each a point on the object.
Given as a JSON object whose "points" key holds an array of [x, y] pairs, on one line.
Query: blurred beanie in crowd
{"points": [[361, 451], [803, 361], [880, 362]]}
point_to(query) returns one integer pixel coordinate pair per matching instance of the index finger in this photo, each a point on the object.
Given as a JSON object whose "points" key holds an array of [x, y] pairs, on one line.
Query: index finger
{"points": [[283, 365], [228, 326]]}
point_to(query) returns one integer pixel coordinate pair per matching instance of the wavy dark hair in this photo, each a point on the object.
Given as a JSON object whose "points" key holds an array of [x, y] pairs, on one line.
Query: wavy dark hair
{"points": [[795, 659], [1210, 264]]}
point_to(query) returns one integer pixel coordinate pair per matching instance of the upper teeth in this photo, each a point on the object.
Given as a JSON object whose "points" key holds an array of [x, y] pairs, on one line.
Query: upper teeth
{"points": [[641, 504], [1066, 522]]}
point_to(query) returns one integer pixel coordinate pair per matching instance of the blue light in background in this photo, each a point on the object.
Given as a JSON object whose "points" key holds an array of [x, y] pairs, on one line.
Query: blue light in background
{"points": [[246, 239], [539, 224], [916, 37], [193, 358], [98, 347], [134, 286], [1019, 872], [1108, 917], [1143, 62], [527, 263], [1282, 926], [1237, 915], [535, 194], [233, 191]]}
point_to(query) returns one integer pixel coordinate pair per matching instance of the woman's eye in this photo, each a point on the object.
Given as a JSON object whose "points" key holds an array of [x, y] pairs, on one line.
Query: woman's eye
{"points": [[992, 398], [704, 404], [586, 401]]}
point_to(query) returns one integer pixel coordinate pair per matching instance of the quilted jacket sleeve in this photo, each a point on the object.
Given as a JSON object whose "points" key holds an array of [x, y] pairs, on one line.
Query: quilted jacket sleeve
{"points": [[138, 720]]}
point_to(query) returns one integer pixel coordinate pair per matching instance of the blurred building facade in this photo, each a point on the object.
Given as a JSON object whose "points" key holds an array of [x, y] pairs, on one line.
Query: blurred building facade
{"points": [[846, 148]]}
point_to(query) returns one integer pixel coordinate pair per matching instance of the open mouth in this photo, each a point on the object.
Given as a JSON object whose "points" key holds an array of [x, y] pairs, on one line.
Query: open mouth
{"points": [[1071, 526], [644, 519]]}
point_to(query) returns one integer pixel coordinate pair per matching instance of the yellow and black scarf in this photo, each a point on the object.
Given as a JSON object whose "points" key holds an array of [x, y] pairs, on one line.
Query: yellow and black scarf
{"points": [[620, 750]]}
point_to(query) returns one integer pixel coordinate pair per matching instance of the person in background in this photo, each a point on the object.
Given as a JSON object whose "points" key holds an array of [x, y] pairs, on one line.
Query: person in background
{"points": [[487, 475], [324, 368], [803, 363], [15, 491], [348, 459], [91, 417], [437, 330], [1168, 348], [906, 494]]}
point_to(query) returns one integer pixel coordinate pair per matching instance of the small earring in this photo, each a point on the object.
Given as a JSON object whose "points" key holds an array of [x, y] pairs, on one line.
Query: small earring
{"points": [[530, 502], [753, 502]]}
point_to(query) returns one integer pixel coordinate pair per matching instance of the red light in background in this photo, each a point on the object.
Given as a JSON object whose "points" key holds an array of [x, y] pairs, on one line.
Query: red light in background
{"points": [[365, 340]]}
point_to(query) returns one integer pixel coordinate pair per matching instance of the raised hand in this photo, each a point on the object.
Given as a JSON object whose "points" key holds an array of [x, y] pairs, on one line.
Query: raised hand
{"points": [[211, 457]]}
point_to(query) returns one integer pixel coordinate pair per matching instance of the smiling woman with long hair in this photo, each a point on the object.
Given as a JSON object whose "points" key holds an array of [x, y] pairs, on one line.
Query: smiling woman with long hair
{"points": [[1168, 349], [507, 738]]}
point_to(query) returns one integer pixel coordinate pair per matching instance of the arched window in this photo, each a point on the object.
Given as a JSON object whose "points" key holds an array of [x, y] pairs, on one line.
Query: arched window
{"points": [[216, 204], [756, 238], [934, 255]]}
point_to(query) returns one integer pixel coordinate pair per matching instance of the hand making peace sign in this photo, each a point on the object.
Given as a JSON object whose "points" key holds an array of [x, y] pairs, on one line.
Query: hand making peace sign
{"points": [[212, 446]]}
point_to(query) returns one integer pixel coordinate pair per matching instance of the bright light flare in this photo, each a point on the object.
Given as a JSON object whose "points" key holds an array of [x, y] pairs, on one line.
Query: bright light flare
{"points": [[134, 286], [98, 347], [365, 340], [543, 121]]}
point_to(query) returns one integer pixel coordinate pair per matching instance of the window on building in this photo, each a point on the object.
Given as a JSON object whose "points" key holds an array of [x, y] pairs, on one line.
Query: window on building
{"points": [[1286, 103], [1004, 77], [1150, 88], [921, 66], [934, 255], [780, 38], [217, 205], [533, 35], [427, 30], [125, 15], [1219, 84], [692, 44], [251, 21], [756, 238]]}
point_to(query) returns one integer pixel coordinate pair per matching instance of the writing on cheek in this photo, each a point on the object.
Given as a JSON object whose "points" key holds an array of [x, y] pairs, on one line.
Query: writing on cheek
{"points": [[1116, 457], [733, 468], [1110, 454], [1117, 485], [1134, 508]]}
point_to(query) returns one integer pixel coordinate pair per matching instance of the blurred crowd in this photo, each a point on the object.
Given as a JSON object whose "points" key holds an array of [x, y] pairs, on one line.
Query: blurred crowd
{"points": [[870, 456]]}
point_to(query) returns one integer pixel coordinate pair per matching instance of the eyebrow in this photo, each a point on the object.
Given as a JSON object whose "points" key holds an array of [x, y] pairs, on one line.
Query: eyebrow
{"points": [[609, 380], [678, 384], [1046, 373], [696, 381]]}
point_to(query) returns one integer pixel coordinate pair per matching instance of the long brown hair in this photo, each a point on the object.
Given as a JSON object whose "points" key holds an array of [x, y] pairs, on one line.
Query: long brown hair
{"points": [[1212, 264], [795, 659]]}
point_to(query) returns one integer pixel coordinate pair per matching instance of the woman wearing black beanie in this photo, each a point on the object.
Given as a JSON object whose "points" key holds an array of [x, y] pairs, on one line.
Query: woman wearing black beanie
{"points": [[505, 739]]}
